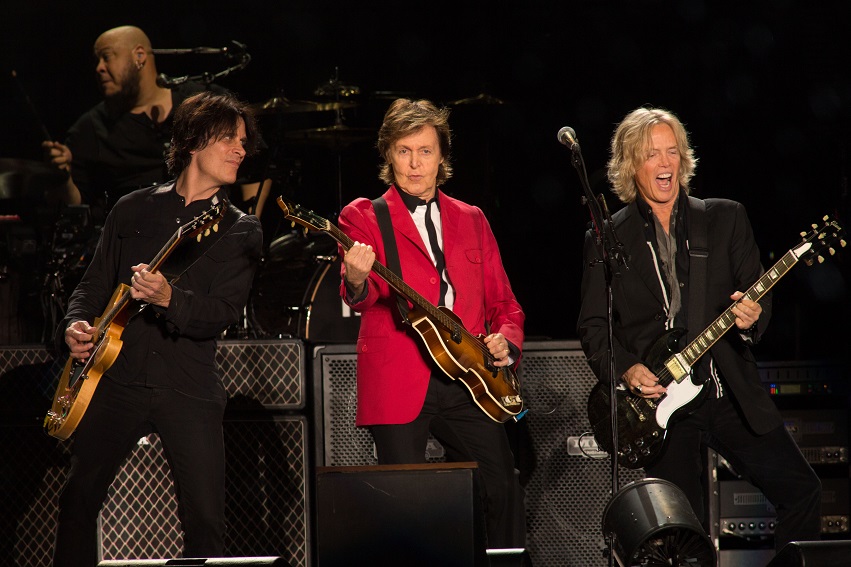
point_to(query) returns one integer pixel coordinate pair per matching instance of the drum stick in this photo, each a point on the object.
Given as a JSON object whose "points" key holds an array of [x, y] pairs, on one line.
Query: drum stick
{"points": [[29, 102]]}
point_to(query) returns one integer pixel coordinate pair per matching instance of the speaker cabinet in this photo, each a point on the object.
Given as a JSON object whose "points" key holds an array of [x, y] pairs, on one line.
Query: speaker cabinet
{"points": [[33, 466], [412, 515], [199, 562], [568, 480], [266, 496], [267, 491], [263, 374]]}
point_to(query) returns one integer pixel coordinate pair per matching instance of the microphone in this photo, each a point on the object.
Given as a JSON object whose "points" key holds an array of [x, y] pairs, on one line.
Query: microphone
{"points": [[567, 136], [164, 81]]}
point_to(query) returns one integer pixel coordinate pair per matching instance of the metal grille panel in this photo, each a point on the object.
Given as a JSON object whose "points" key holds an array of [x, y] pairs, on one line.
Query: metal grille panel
{"points": [[263, 373], [566, 494], [33, 466], [266, 496], [341, 443], [267, 490]]}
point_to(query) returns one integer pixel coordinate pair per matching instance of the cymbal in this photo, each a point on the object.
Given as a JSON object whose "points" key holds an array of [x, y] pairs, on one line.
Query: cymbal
{"points": [[284, 105], [479, 99], [333, 137], [23, 177], [336, 90]]}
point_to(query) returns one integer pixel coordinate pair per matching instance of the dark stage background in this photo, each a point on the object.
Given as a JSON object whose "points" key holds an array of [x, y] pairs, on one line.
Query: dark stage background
{"points": [[762, 86]]}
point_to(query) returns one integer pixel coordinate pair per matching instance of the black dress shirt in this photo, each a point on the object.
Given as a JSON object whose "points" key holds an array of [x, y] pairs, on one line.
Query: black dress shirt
{"points": [[173, 347]]}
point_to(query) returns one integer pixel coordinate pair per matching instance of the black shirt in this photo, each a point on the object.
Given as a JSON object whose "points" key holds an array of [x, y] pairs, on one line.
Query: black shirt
{"points": [[115, 154], [173, 347]]}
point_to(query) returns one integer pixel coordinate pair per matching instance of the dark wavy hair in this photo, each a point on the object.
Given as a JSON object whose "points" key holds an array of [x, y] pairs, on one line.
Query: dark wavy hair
{"points": [[406, 117], [203, 118]]}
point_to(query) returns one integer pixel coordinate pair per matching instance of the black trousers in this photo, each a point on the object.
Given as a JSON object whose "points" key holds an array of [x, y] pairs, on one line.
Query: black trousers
{"points": [[466, 434], [771, 462], [190, 430]]}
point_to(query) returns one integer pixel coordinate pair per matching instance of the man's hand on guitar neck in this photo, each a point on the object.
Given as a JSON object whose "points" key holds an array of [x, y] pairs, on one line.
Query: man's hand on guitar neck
{"points": [[150, 287], [78, 337], [358, 261]]}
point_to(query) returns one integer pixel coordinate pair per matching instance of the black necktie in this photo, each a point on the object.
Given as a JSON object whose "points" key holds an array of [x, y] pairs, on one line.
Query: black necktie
{"points": [[439, 260]]}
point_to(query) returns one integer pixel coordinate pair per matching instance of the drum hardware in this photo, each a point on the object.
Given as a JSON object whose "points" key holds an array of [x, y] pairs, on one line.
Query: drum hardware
{"points": [[28, 179], [296, 292], [481, 99], [73, 244], [335, 89], [283, 105], [336, 137], [236, 51]]}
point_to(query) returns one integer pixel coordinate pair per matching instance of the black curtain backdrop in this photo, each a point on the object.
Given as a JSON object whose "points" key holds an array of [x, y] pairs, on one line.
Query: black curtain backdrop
{"points": [[762, 86]]}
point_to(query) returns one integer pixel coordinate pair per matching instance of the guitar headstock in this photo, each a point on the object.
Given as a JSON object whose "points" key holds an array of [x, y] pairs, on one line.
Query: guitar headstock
{"points": [[821, 237], [304, 217], [207, 221]]}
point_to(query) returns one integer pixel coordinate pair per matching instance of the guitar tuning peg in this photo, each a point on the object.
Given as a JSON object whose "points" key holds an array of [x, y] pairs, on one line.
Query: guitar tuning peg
{"points": [[216, 227], [304, 231], [803, 234], [825, 217], [292, 224], [207, 232], [820, 259], [815, 226], [842, 243], [198, 238], [831, 250]]}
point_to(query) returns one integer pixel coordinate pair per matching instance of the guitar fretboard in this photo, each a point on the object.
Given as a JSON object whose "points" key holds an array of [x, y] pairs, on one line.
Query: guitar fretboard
{"points": [[727, 319]]}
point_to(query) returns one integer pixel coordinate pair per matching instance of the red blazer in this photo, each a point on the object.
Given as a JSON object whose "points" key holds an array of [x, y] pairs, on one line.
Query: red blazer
{"points": [[392, 366]]}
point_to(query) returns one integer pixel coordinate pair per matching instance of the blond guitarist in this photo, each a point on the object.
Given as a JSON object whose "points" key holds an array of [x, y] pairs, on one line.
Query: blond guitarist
{"points": [[165, 379]]}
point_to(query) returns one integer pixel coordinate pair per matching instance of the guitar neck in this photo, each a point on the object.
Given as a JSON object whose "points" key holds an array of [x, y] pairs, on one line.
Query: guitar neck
{"points": [[727, 319], [397, 283]]}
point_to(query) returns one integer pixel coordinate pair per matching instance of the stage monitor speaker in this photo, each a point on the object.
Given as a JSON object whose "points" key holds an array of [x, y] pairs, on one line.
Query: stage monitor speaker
{"points": [[266, 495], [566, 478], [835, 553], [411, 515], [568, 481], [199, 562]]}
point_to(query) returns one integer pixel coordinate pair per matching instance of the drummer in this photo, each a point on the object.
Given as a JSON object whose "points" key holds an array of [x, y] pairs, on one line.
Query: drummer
{"points": [[119, 145]]}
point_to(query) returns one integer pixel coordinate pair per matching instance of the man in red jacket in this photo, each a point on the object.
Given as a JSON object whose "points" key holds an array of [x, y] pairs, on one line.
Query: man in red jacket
{"points": [[448, 254]]}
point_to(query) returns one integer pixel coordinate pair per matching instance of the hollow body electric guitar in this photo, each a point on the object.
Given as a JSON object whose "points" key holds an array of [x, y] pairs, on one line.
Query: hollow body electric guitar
{"points": [[80, 378], [458, 353], [643, 423]]}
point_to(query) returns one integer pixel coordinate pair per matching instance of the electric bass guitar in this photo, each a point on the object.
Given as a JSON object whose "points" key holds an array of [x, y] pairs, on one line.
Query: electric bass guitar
{"points": [[642, 423], [459, 354], [80, 378]]}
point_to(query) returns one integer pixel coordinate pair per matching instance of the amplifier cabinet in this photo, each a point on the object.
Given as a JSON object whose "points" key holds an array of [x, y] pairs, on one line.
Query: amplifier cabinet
{"points": [[266, 496], [267, 490], [263, 374], [567, 479]]}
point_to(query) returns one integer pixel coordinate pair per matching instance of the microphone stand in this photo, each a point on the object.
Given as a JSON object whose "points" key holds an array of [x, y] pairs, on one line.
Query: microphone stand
{"points": [[611, 252]]}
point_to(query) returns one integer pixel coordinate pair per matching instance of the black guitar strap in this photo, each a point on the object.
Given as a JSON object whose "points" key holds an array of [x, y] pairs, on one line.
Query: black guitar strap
{"points": [[698, 250], [187, 253], [382, 214]]}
